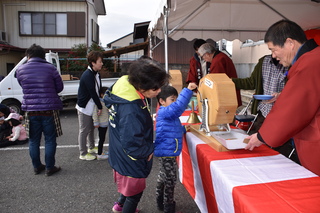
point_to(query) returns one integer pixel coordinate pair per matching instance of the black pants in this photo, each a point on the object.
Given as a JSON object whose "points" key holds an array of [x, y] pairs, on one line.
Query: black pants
{"points": [[130, 203], [5, 133], [102, 137], [6, 142]]}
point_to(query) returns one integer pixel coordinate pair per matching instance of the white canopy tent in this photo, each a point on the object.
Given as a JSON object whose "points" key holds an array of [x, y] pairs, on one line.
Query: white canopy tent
{"points": [[228, 19]]}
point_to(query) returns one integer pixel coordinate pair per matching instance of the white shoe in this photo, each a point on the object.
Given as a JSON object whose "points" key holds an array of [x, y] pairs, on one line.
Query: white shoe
{"points": [[102, 157], [87, 157]]}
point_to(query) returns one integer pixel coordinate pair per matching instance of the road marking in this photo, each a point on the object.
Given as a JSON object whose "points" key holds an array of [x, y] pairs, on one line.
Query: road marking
{"points": [[42, 147]]}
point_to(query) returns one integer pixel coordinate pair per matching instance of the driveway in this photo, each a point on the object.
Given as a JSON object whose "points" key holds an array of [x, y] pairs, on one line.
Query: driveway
{"points": [[81, 186]]}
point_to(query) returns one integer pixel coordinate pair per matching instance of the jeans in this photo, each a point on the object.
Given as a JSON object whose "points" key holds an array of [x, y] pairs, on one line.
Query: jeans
{"points": [[45, 125]]}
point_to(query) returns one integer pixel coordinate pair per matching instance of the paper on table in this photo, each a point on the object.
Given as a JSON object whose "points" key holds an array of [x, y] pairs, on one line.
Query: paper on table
{"points": [[231, 140]]}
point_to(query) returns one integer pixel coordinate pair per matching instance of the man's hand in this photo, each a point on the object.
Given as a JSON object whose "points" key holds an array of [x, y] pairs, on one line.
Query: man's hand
{"points": [[99, 112], [275, 97], [253, 142]]}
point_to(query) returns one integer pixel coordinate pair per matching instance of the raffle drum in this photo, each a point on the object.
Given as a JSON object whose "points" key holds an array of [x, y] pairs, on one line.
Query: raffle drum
{"points": [[217, 103], [220, 92]]}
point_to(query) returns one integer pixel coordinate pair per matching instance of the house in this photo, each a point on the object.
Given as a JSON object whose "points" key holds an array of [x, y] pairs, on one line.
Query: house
{"points": [[131, 46], [56, 25], [128, 48]]}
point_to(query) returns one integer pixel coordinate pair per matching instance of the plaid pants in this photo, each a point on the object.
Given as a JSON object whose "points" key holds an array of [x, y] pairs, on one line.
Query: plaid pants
{"points": [[167, 179]]}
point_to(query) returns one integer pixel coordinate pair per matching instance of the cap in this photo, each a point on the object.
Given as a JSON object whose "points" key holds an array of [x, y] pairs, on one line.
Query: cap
{"points": [[13, 116]]}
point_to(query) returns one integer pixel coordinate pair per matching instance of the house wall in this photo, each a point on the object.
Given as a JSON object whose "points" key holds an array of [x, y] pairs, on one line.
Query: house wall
{"points": [[245, 58], [12, 58], [123, 42], [9, 22]]}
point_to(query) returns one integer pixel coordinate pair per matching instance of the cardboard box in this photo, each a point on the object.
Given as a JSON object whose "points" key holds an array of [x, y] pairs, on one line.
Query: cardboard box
{"points": [[176, 79], [66, 77]]}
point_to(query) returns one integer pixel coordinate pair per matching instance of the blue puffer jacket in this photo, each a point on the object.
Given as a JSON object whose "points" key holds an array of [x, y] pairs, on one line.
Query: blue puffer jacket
{"points": [[130, 130], [169, 130], [41, 83]]}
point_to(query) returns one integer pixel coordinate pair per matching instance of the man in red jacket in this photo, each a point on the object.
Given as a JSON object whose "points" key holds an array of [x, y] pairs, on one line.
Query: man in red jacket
{"points": [[198, 67], [296, 113]]}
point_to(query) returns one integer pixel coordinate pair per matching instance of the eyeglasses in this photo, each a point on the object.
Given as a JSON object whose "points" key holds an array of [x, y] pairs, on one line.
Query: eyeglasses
{"points": [[203, 56]]}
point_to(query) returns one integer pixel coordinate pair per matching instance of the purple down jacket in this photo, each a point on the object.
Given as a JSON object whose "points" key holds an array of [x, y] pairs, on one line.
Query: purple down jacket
{"points": [[41, 83]]}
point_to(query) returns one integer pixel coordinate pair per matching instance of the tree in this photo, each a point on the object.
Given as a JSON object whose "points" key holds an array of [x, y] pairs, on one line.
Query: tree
{"points": [[76, 62]]}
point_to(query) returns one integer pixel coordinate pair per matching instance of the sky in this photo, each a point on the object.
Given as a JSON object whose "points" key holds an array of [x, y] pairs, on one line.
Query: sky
{"points": [[122, 15]]}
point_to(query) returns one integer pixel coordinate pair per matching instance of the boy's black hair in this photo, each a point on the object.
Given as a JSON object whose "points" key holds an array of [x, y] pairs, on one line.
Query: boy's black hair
{"points": [[167, 91]]}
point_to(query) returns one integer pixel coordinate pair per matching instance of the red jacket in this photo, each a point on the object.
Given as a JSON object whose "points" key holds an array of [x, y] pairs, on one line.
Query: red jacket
{"points": [[221, 63], [193, 75], [296, 112]]}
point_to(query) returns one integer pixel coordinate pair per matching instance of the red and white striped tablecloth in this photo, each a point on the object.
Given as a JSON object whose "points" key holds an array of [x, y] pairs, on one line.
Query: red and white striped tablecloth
{"points": [[258, 181]]}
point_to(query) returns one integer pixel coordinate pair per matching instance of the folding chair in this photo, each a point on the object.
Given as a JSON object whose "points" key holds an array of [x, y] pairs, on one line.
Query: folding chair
{"points": [[244, 117]]}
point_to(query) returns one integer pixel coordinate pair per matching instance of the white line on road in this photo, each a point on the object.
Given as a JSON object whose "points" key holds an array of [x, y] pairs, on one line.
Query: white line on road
{"points": [[42, 147]]}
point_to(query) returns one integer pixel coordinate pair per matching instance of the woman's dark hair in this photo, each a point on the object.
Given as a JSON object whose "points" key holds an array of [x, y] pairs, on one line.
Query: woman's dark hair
{"points": [[167, 91], [281, 30], [35, 51], [197, 43], [93, 56], [146, 74]]}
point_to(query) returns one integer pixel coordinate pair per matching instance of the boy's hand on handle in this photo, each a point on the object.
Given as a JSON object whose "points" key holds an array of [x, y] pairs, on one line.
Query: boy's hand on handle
{"points": [[192, 86]]}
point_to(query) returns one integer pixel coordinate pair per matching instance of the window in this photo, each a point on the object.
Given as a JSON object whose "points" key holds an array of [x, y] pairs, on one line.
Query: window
{"points": [[52, 24], [95, 31]]}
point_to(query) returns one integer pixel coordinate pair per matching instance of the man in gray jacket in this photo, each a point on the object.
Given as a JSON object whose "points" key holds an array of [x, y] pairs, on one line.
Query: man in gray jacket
{"points": [[41, 83]]}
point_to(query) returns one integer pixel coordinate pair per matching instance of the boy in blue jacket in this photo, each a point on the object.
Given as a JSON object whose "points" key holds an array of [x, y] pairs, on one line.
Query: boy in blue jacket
{"points": [[168, 143]]}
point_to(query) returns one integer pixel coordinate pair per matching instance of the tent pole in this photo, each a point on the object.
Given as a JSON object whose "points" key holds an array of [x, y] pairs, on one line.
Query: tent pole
{"points": [[150, 45], [165, 31]]}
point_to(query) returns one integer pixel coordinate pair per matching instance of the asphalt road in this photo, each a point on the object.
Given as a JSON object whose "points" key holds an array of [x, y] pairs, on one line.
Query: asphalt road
{"points": [[81, 186]]}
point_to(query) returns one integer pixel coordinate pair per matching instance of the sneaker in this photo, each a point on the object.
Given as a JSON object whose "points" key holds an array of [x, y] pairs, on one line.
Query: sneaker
{"points": [[118, 209], [87, 157], [102, 157], [94, 150]]}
